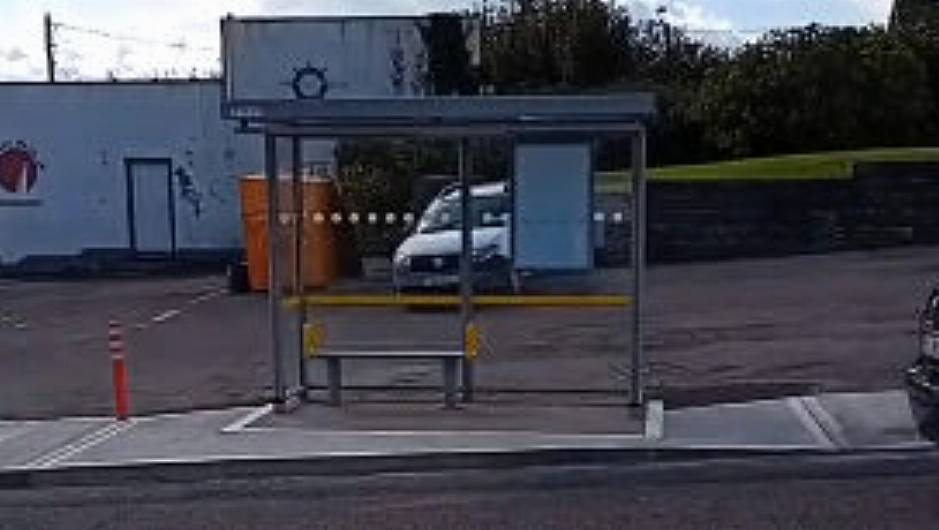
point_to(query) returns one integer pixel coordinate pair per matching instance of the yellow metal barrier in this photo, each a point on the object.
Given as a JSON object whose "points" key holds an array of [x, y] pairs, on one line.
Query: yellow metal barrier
{"points": [[367, 300]]}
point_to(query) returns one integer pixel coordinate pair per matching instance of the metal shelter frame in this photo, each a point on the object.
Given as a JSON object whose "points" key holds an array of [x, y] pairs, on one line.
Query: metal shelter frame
{"points": [[458, 118]]}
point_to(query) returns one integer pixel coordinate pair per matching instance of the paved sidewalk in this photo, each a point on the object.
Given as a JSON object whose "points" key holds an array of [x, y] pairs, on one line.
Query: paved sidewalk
{"points": [[832, 422]]}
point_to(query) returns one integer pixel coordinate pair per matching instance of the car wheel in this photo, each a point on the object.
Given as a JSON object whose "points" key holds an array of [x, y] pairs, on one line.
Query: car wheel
{"points": [[929, 427]]}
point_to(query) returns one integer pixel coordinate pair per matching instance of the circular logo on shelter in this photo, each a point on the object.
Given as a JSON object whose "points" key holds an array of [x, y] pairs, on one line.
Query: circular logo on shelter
{"points": [[310, 82], [19, 167]]}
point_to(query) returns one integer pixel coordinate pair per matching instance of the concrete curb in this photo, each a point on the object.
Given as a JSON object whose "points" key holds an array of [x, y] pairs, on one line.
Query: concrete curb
{"points": [[114, 474]]}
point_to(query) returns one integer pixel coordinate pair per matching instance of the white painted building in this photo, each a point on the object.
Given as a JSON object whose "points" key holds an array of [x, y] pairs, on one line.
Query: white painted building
{"points": [[151, 168], [142, 166]]}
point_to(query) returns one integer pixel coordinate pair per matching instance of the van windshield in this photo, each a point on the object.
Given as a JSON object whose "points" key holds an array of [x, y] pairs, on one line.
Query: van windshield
{"points": [[445, 214]]}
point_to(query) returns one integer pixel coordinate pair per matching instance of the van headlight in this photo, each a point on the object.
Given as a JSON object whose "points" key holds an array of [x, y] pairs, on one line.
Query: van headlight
{"points": [[402, 261], [484, 253]]}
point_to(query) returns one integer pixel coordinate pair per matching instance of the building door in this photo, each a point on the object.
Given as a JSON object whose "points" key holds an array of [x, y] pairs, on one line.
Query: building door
{"points": [[150, 205]]}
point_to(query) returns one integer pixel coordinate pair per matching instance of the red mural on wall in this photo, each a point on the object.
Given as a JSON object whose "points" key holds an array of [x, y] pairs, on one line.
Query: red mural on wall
{"points": [[19, 167]]}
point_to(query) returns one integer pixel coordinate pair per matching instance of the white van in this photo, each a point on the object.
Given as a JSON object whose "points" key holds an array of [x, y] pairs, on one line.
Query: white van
{"points": [[429, 259]]}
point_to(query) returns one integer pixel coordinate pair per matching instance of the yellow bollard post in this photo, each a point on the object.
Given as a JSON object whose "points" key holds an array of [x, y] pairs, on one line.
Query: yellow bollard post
{"points": [[473, 341], [313, 335]]}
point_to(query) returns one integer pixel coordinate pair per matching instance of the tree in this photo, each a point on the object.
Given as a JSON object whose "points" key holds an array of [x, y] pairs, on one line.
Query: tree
{"points": [[674, 66], [799, 89], [911, 12], [554, 45], [817, 88], [578, 46], [917, 24], [448, 61]]}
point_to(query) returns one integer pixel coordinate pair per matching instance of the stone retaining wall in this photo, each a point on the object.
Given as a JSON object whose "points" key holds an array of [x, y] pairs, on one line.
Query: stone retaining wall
{"points": [[885, 204]]}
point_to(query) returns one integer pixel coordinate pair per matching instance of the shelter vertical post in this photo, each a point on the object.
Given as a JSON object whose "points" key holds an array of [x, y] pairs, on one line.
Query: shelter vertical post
{"points": [[466, 266], [638, 156], [299, 233], [274, 294]]}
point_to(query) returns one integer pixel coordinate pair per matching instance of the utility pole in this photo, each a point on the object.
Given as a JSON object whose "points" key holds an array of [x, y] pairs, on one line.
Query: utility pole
{"points": [[50, 47]]}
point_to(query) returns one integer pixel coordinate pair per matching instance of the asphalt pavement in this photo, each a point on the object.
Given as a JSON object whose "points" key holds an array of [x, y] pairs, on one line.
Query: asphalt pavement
{"points": [[878, 491], [716, 332]]}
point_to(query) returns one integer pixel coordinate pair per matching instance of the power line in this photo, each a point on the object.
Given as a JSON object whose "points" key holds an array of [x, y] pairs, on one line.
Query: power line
{"points": [[54, 29], [180, 45]]}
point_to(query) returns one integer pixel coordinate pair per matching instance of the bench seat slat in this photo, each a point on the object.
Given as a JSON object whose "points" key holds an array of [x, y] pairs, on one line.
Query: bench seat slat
{"points": [[390, 354]]}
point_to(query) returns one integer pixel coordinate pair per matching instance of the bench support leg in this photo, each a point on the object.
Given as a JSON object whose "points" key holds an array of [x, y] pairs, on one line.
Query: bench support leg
{"points": [[449, 383], [469, 379], [334, 380]]}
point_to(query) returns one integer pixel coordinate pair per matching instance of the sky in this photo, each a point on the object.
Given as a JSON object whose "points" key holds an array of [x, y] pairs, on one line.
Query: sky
{"points": [[145, 38]]}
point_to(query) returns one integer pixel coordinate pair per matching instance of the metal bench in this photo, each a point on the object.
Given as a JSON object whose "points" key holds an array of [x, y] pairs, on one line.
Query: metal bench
{"points": [[449, 359]]}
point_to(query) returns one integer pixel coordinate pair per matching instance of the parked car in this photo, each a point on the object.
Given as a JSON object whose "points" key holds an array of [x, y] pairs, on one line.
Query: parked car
{"points": [[429, 259], [922, 379]]}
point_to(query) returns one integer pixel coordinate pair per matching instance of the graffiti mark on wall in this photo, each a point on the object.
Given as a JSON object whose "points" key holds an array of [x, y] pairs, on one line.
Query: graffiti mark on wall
{"points": [[398, 67], [188, 190], [19, 167]]}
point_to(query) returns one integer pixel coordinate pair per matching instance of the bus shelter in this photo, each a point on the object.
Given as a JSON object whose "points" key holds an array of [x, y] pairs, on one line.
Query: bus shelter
{"points": [[285, 124]]}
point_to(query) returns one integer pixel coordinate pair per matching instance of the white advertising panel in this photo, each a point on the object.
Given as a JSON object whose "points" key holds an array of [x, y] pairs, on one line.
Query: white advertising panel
{"points": [[553, 222]]}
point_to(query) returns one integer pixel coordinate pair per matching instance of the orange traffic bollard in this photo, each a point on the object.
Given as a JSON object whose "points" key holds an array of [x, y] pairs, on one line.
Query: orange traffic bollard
{"points": [[119, 369]]}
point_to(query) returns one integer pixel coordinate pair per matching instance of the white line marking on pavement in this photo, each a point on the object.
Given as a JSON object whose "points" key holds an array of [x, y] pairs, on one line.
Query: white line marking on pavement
{"points": [[173, 313], [655, 420], [919, 445], [206, 297], [515, 449], [450, 434], [166, 315], [243, 422], [826, 421], [84, 443], [768, 448], [808, 421], [19, 423]]}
